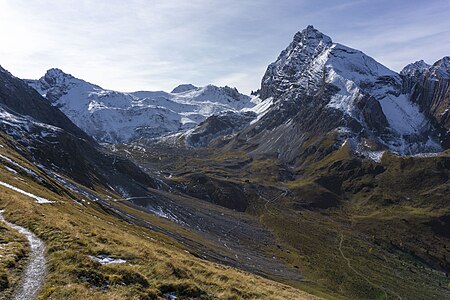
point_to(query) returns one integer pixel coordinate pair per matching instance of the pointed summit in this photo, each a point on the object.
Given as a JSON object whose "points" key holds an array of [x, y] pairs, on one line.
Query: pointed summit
{"points": [[306, 46], [311, 34], [56, 76], [415, 68], [441, 68]]}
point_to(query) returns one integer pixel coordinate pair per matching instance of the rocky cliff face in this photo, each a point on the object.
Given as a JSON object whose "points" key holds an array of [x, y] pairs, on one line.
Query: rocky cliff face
{"points": [[325, 95], [429, 87], [218, 126]]}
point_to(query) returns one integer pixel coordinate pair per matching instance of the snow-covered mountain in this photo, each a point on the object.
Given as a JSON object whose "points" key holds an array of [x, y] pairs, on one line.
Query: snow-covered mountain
{"points": [[325, 91], [115, 117]]}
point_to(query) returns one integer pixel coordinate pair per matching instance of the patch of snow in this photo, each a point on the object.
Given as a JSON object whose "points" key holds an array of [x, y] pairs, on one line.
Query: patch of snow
{"points": [[170, 296], [261, 108], [39, 200], [402, 115], [107, 260], [375, 155], [11, 170], [158, 211], [21, 167], [426, 155]]}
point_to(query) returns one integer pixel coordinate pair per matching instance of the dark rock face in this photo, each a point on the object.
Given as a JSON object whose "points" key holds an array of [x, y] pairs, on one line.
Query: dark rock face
{"points": [[429, 87], [217, 126], [373, 115]]}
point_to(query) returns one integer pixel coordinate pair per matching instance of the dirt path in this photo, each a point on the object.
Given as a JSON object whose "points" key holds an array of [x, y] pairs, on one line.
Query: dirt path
{"points": [[33, 275], [362, 275]]}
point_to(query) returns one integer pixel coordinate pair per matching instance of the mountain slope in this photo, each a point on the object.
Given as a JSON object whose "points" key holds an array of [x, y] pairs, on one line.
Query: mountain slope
{"points": [[116, 117], [97, 250]]}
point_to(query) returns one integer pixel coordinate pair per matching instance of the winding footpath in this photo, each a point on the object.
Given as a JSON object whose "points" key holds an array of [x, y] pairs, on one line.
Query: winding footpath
{"points": [[364, 277], [33, 275]]}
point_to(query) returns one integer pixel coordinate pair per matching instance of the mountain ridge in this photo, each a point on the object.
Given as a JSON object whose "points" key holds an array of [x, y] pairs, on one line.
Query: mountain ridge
{"points": [[117, 117]]}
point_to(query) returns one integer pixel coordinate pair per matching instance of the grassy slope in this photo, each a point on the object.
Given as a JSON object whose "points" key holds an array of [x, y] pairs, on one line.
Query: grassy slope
{"points": [[375, 243], [155, 263]]}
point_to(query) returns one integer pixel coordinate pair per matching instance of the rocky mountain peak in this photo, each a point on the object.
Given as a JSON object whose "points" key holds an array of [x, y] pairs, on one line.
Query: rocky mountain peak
{"points": [[184, 88], [310, 36], [301, 53], [415, 68], [56, 76], [441, 68], [318, 87]]}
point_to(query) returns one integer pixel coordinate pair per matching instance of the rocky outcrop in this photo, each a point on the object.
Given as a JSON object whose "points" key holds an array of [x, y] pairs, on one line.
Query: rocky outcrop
{"points": [[16, 97], [429, 87], [218, 126]]}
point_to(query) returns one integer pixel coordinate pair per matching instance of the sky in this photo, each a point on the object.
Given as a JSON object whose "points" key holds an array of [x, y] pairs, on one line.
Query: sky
{"points": [[158, 44]]}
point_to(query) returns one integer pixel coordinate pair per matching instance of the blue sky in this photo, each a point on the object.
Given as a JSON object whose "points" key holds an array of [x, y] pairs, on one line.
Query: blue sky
{"points": [[156, 45]]}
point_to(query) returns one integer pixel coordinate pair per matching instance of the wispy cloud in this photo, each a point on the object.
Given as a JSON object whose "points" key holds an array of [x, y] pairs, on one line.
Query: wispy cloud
{"points": [[157, 44]]}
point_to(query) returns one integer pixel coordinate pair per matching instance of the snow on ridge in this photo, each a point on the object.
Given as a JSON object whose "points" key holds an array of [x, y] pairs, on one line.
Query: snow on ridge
{"points": [[30, 172], [312, 59], [261, 107], [415, 68]]}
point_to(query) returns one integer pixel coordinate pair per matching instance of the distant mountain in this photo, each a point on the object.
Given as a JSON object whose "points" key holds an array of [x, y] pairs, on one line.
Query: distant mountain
{"points": [[116, 117], [16, 98], [326, 95]]}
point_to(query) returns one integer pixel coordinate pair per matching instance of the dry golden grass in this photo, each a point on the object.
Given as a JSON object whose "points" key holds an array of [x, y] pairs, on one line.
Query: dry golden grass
{"points": [[13, 251]]}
